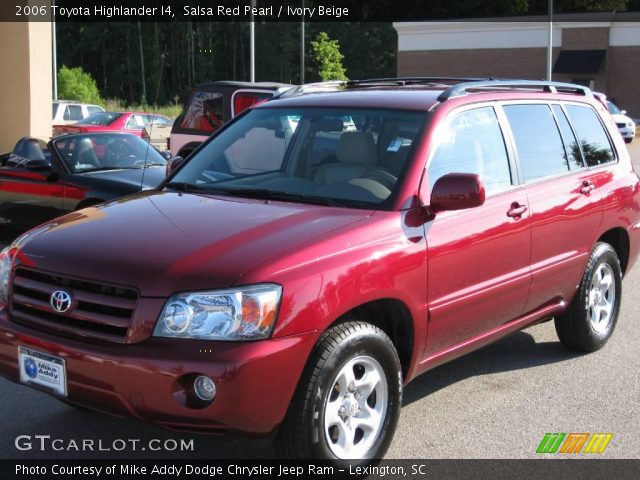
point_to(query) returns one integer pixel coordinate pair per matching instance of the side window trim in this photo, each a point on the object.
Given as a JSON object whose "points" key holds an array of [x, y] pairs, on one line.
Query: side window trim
{"points": [[573, 131], [517, 177]]}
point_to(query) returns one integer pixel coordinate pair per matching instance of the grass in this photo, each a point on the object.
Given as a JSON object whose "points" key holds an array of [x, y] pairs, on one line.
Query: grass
{"points": [[117, 105]]}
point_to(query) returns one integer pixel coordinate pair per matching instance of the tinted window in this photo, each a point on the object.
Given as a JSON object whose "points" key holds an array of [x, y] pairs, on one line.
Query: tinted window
{"points": [[569, 139], [94, 109], [54, 109], [538, 141], [474, 144], [593, 139], [73, 112], [204, 112]]}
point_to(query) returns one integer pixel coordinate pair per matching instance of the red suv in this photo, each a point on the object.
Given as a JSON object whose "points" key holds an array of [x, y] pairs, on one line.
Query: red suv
{"points": [[322, 250]]}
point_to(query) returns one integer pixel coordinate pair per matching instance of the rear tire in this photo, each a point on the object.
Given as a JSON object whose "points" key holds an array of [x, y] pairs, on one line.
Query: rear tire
{"points": [[592, 316], [348, 400]]}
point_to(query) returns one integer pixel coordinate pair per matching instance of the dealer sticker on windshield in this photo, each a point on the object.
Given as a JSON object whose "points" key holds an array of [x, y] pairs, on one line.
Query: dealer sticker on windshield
{"points": [[41, 369]]}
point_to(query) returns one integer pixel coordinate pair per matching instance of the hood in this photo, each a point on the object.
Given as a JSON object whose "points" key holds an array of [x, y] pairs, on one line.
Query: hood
{"points": [[619, 118], [153, 176], [165, 242]]}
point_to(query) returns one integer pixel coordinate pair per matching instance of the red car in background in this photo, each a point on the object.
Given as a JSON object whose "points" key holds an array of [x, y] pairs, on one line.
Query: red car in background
{"points": [[129, 122]]}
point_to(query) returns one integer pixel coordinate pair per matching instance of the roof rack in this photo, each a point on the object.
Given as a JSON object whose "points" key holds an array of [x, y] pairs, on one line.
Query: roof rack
{"points": [[311, 88], [401, 81], [551, 87]]}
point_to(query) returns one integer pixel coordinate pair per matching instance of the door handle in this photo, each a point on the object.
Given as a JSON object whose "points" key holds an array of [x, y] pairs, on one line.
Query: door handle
{"points": [[516, 210], [587, 187]]}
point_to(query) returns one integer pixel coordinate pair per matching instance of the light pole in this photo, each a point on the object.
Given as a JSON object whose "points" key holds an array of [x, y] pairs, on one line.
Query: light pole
{"points": [[252, 39], [550, 45], [54, 59], [302, 46]]}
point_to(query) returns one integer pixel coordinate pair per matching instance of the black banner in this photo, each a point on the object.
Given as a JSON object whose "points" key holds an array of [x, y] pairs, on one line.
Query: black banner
{"points": [[270, 469], [290, 11]]}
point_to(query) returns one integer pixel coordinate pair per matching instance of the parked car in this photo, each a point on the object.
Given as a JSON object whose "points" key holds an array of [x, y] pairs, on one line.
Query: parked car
{"points": [[39, 182], [64, 112], [321, 251], [209, 105], [136, 123], [626, 125]]}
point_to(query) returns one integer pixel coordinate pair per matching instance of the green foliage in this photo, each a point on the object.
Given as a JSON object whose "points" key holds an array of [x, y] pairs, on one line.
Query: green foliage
{"points": [[76, 84], [327, 56], [117, 105]]}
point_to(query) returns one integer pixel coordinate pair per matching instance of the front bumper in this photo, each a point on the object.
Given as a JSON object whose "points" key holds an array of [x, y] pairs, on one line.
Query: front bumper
{"points": [[628, 132], [255, 380]]}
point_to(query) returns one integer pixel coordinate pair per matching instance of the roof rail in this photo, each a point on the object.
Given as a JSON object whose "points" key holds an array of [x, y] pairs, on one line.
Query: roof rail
{"points": [[552, 87], [401, 81], [310, 88]]}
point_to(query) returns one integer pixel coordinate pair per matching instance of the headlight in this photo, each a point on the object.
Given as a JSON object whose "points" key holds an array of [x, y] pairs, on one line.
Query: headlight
{"points": [[5, 272], [243, 313]]}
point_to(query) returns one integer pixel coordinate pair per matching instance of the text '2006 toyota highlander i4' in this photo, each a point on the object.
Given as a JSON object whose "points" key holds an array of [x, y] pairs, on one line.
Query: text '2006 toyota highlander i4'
{"points": [[323, 249]]}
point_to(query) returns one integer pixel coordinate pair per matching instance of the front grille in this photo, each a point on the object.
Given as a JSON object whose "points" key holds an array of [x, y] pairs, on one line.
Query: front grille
{"points": [[621, 125], [98, 310]]}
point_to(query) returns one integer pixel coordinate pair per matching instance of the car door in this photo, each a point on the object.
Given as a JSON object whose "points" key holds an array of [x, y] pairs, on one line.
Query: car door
{"points": [[566, 210], [478, 274], [29, 198]]}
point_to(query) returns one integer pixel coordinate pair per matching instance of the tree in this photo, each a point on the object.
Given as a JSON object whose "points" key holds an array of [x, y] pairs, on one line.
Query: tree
{"points": [[327, 56], [76, 84]]}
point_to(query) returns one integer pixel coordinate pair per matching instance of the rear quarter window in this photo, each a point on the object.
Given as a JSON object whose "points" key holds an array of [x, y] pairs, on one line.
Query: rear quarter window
{"points": [[592, 136]]}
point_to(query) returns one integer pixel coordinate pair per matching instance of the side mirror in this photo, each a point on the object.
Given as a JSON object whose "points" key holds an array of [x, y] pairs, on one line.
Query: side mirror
{"points": [[40, 165], [457, 191], [623, 112], [173, 164]]}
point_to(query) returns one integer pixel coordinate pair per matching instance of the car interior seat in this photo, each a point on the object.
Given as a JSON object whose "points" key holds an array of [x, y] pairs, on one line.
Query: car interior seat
{"points": [[356, 153], [86, 155]]}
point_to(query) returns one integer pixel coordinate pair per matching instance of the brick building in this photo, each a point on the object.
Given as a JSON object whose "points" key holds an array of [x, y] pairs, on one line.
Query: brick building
{"points": [[598, 50]]}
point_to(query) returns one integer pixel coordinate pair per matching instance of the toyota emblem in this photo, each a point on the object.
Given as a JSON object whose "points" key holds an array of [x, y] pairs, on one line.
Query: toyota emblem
{"points": [[60, 301]]}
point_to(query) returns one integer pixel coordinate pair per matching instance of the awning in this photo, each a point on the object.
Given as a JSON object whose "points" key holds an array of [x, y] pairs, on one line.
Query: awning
{"points": [[579, 61]]}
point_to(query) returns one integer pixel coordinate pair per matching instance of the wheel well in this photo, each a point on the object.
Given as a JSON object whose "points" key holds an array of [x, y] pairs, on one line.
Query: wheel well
{"points": [[393, 318], [618, 238], [88, 202]]}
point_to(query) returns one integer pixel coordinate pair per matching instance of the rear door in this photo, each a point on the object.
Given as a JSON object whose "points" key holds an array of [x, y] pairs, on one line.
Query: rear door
{"points": [[478, 258], [565, 204]]}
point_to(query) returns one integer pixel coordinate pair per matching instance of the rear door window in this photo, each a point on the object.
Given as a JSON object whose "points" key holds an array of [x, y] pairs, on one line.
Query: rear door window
{"points": [[538, 142], [244, 100], [593, 139], [205, 112], [473, 144], [73, 112]]}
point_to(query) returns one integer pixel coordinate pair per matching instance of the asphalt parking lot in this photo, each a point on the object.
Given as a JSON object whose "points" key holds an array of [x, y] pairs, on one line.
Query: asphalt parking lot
{"points": [[495, 403]]}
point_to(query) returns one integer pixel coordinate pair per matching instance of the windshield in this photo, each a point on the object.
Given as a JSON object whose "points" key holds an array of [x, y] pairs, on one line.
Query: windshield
{"points": [[613, 109], [101, 118], [105, 151], [350, 157]]}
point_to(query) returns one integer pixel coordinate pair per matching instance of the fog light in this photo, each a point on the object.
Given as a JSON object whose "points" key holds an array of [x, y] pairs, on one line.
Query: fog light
{"points": [[204, 388]]}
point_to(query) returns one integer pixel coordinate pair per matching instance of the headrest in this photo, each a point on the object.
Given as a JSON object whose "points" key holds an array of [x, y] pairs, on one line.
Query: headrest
{"points": [[356, 147]]}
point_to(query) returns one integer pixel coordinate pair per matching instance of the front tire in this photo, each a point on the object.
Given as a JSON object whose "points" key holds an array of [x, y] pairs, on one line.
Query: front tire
{"points": [[592, 316], [348, 400]]}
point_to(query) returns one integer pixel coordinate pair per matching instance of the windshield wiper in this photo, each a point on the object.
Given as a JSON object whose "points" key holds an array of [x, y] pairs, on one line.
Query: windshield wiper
{"points": [[279, 195], [184, 187]]}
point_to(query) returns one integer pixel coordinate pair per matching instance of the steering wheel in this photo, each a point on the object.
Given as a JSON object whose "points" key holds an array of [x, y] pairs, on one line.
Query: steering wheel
{"points": [[118, 154], [381, 176]]}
